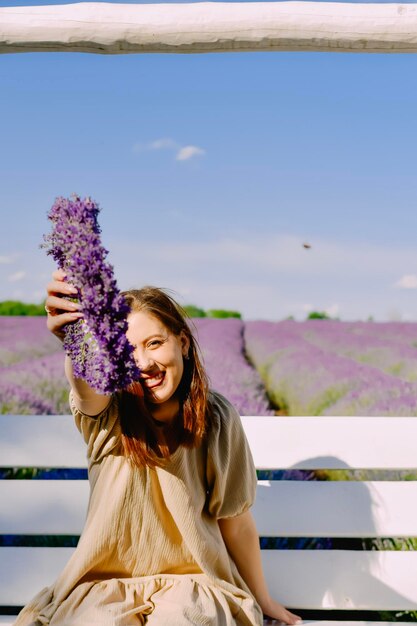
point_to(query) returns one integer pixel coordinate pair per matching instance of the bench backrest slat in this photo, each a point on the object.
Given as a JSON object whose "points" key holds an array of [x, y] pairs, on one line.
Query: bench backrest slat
{"points": [[284, 442], [335, 509], [333, 442], [343, 579], [308, 579]]}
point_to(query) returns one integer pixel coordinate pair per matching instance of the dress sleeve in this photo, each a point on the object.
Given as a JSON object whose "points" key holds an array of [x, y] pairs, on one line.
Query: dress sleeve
{"points": [[101, 432], [231, 473]]}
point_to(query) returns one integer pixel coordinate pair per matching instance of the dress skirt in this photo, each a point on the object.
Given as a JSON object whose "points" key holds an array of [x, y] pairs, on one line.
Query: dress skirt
{"points": [[172, 600]]}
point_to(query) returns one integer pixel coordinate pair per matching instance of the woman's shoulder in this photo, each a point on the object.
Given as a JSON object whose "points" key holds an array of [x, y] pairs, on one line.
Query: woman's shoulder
{"points": [[219, 402], [222, 412]]}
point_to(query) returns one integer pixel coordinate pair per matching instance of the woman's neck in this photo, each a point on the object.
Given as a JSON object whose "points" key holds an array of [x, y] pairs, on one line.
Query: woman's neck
{"points": [[164, 417], [167, 412]]}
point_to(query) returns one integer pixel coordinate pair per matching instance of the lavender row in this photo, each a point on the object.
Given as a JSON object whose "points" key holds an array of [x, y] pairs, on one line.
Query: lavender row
{"points": [[33, 381], [21, 336], [222, 345], [305, 379], [392, 353], [398, 332]]}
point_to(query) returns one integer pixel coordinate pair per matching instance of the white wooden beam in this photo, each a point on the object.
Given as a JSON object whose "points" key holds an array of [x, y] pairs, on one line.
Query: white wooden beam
{"points": [[209, 27], [335, 508], [306, 579], [319, 442]]}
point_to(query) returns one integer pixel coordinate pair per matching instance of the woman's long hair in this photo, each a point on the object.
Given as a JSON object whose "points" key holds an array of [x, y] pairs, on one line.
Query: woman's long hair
{"points": [[139, 431]]}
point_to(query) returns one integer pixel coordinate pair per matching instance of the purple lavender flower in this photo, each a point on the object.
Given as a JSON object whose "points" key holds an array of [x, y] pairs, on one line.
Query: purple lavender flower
{"points": [[96, 344]]}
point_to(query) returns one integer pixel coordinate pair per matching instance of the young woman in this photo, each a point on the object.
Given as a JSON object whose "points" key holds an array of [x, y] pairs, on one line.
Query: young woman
{"points": [[169, 539]]}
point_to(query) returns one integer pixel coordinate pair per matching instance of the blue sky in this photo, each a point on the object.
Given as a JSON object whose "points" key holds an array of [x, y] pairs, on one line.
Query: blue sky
{"points": [[213, 169]]}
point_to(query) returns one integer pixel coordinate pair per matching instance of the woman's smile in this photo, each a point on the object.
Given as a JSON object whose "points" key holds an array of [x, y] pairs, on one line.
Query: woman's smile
{"points": [[154, 381]]}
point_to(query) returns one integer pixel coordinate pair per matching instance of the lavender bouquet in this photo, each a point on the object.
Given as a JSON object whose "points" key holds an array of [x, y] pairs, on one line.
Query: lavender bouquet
{"points": [[97, 343]]}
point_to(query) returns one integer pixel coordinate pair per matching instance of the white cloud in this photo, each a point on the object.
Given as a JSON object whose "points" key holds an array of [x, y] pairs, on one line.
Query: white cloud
{"points": [[6, 260], [183, 153], [271, 257], [271, 276], [275, 255], [254, 301], [162, 144], [332, 310], [394, 315], [188, 152], [165, 143], [14, 278], [409, 281]]}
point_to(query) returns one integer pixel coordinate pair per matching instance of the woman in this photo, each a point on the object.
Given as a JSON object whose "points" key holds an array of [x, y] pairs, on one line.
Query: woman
{"points": [[169, 539]]}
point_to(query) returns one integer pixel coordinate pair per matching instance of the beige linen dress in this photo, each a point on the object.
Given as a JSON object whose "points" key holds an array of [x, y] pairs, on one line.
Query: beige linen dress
{"points": [[151, 551]]}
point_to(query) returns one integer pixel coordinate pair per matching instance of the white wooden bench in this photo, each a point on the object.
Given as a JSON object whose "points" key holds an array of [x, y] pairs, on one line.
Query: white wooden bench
{"points": [[317, 582]]}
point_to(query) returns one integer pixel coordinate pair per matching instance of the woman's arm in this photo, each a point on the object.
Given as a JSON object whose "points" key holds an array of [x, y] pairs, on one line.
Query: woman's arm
{"points": [[242, 541], [85, 398], [62, 311]]}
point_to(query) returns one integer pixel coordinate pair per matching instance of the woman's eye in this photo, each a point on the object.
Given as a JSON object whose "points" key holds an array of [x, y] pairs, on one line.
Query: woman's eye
{"points": [[154, 343]]}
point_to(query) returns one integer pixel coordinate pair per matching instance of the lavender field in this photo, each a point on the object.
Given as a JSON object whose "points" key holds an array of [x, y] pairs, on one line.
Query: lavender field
{"points": [[32, 367], [297, 368], [336, 368]]}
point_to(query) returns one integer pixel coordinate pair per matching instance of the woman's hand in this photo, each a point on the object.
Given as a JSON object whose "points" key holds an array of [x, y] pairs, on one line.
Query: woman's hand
{"points": [[275, 612], [60, 309]]}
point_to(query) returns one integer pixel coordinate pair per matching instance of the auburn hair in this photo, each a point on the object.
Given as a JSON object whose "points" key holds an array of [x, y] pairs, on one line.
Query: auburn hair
{"points": [[139, 430]]}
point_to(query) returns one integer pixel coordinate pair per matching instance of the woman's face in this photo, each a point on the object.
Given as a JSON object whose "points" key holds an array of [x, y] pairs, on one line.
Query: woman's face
{"points": [[159, 355]]}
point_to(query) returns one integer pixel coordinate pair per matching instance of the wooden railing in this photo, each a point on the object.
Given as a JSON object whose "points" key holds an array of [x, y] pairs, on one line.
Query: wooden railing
{"points": [[107, 28]]}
